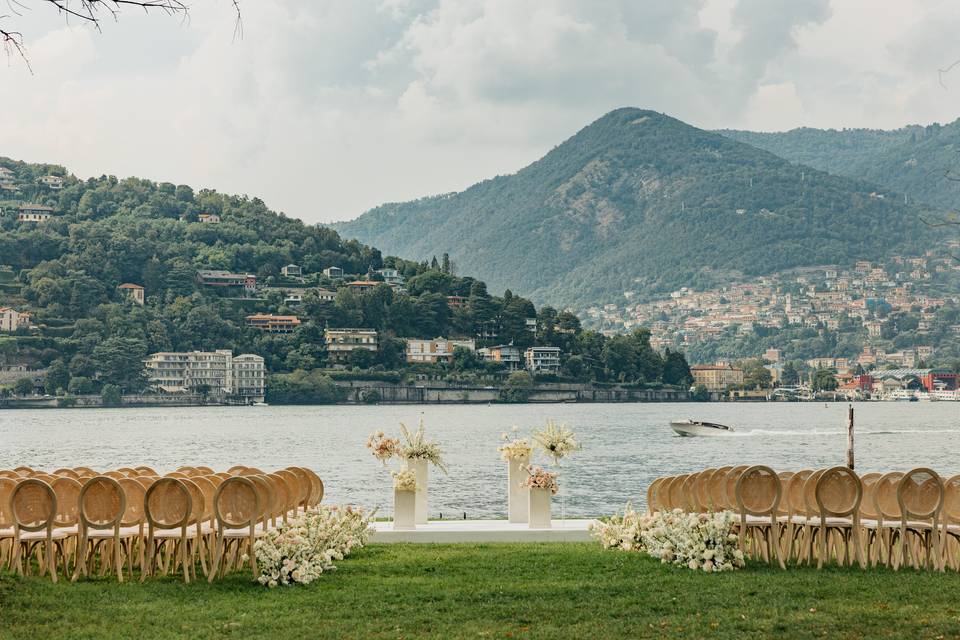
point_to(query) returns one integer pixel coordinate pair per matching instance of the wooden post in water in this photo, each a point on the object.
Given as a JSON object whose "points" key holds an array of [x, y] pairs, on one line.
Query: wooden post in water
{"points": [[850, 436]]}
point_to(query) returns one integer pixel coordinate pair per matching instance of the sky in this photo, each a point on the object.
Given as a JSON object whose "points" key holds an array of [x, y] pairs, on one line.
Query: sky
{"points": [[326, 108]]}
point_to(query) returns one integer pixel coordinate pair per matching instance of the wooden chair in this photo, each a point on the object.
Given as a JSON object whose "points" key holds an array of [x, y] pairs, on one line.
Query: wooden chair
{"points": [[701, 490], [795, 502], [131, 525], [34, 508], [674, 492], [10, 474], [730, 480], [67, 519], [167, 506], [237, 509], [838, 494], [103, 503], [7, 485], [757, 494], [652, 497], [718, 488], [66, 473], [145, 471], [317, 488], [920, 494]]}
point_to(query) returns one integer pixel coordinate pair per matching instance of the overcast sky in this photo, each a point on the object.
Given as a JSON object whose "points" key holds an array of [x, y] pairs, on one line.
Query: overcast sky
{"points": [[326, 108]]}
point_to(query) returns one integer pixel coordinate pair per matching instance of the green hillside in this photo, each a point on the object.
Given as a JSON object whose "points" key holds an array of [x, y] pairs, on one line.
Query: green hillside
{"points": [[85, 332], [921, 162], [638, 201]]}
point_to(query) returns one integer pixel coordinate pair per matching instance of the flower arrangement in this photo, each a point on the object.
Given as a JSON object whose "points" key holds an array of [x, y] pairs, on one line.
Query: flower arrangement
{"points": [[556, 440], [417, 446], [540, 479], [299, 551], [698, 541], [382, 447], [405, 480], [515, 448]]}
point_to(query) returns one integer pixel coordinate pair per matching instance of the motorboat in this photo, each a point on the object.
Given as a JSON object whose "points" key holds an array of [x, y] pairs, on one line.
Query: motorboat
{"points": [[700, 428]]}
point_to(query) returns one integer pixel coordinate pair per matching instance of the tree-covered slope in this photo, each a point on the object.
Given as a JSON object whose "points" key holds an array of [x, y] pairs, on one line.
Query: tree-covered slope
{"points": [[639, 201], [921, 162]]}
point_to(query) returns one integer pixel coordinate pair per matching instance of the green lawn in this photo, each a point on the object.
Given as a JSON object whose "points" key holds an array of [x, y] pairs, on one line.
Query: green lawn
{"points": [[497, 591]]}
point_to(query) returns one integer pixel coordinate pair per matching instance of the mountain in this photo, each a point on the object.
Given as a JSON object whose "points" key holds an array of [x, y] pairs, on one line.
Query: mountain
{"points": [[639, 201], [922, 162]]}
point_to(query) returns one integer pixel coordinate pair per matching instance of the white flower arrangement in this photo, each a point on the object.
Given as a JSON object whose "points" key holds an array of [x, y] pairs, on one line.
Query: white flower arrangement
{"points": [[405, 480], [299, 551], [418, 446], [698, 541], [515, 448], [556, 440]]}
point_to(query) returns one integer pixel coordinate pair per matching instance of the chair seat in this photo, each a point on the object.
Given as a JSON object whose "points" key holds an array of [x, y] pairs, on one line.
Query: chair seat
{"points": [[175, 533], [125, 532], [756, 520], [57, 534], [258, 532], [6, 533]]}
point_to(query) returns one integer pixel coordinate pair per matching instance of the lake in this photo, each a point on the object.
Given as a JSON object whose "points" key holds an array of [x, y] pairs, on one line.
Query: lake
{"points": [[626, 446]]}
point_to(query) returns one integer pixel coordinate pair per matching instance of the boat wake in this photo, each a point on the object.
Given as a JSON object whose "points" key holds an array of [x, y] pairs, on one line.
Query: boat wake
{"points": [[835, 432]]}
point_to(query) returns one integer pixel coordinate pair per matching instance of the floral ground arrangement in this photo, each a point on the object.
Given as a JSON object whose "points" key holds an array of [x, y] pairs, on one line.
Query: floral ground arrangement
{"points": [[576, 590]]}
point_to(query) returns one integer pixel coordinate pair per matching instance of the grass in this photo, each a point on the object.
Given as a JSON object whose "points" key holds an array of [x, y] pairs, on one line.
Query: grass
{"points": [[497, 591]]}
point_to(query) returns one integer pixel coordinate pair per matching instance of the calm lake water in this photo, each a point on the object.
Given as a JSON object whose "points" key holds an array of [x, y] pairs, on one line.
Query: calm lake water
{"points": [[626, 446]]}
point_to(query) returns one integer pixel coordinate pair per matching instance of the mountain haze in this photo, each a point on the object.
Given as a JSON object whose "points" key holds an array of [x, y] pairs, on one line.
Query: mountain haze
{"points": [[922, 162], [639, 201]]}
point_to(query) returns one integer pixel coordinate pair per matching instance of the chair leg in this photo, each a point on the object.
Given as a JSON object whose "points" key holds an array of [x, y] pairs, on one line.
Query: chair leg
{"points": [[215, 561]]}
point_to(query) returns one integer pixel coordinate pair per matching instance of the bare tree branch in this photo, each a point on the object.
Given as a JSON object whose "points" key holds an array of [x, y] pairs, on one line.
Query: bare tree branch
{"points": [[943, 72], [93, 12]]}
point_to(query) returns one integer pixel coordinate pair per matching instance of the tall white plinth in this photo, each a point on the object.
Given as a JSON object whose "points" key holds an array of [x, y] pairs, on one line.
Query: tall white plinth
{"points": [[518, 505], [419, 467], [404, 510], [539, 508]]}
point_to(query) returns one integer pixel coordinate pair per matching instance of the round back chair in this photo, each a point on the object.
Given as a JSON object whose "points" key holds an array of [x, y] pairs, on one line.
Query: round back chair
{"points": [[134, 494], [757, 491], [7, 485], [951, 499], [886, 505], [24, 471], [317, 484], [920, 495], [102, 503], [718, 488], [168, 504], [838, 493], [868, 506], [33, 505], [674, 493], [67, 491], [9, 473], [306, 487], [796, 500], [810, 493], [145, 471], [687, 494], [66, 473], [731, 485]]}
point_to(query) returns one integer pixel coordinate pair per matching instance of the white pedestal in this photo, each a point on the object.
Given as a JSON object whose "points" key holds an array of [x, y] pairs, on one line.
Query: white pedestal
{"points": [[404, 510], [419, 467], [518, 505], [539, 508]]}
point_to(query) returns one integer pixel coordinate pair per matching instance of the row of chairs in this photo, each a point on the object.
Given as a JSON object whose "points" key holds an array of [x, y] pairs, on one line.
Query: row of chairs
{"points": [[897, 518], [134, 518]]}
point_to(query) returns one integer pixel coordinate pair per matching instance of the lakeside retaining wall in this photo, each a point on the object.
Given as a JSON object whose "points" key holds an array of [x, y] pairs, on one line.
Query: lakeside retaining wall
{"points": [[361, 392]]}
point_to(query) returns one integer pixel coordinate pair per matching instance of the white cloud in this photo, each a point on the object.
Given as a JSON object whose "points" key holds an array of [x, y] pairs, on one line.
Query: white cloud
{"points": [[325, 108]]}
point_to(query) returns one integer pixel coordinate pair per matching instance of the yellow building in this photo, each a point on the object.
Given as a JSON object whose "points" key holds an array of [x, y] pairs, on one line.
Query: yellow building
{"points": [[716, 377]]}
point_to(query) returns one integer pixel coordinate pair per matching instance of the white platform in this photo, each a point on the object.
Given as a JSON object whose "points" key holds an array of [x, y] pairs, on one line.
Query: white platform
{"points": [[484, 531]]}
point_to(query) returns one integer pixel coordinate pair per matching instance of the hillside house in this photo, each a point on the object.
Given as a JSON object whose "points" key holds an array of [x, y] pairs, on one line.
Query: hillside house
{"points": [[341, 342], [292, 271], [270, 323], [208, 218], [51, 182], [133, 291], [34, 213], [543, 359], [505, 354], [391, 277], [333, 272], [12, 320], [227, 280], [438, 350]]}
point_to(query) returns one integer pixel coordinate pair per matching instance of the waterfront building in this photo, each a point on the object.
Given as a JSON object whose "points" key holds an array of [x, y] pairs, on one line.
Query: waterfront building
{"points": [[273, 324], [543, 359], [716, 377], [341, 342], [438, 350], [929, 379], [505, 354], [219, 373], [133, 291]]}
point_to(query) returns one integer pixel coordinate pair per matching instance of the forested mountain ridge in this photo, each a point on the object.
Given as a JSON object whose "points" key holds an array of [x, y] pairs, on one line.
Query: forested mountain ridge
{"points": [[920, 162], [639, 201]]}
